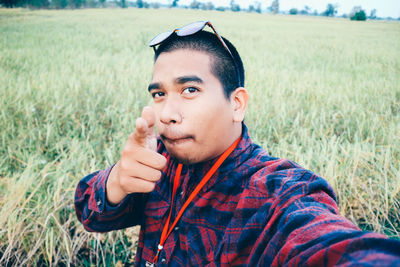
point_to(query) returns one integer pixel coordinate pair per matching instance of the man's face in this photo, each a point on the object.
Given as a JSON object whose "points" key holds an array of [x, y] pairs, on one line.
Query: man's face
{"points": [[193, 116]]}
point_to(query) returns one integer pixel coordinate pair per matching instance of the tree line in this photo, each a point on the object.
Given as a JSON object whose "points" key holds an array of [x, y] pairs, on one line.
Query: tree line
{"points": [[331, 10]]}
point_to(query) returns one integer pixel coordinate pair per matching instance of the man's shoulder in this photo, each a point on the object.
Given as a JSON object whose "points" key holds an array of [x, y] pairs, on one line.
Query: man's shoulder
{"points": [[261, 165], [270, 176]]}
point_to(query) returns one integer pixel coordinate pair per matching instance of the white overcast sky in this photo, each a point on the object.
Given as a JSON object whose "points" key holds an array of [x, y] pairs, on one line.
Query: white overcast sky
{"points": [[385, 8]]}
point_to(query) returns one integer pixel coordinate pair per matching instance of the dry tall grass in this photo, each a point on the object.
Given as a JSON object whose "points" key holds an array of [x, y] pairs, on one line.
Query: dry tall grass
{"points": [[324, 92]]}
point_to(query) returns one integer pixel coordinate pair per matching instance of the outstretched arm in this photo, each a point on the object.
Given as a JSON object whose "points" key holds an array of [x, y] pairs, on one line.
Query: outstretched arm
{"points": [[306, 229]]}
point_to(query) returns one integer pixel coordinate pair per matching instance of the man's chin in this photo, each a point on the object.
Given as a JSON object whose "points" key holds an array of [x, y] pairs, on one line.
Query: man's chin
{"points": [[186, 159], [181, 151]]}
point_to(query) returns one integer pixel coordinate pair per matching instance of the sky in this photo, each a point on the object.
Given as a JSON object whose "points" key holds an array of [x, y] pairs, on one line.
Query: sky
{"points": [[385, 8]]}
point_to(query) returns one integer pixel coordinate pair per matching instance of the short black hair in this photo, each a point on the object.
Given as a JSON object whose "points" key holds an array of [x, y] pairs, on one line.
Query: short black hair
{"points": [[222, 64]]}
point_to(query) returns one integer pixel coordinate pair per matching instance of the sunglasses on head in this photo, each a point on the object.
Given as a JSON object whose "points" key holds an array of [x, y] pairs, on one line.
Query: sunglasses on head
{"points": [[190, 29]]}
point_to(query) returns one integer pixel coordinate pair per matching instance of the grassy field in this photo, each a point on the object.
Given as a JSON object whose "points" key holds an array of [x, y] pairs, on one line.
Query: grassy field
{"points": [[324, 92]]}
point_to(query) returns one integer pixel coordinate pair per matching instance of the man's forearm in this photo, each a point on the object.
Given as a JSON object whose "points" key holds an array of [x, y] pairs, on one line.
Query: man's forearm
{"points": [[97, 214]]}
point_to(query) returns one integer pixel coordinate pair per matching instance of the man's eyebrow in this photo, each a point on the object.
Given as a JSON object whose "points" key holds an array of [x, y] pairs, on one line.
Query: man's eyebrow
{"points": [[154, 86], [191, 78], [179, 80]]}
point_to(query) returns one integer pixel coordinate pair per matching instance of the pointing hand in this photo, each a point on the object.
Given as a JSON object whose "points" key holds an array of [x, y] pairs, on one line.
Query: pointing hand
{"points": [[139, 167]]}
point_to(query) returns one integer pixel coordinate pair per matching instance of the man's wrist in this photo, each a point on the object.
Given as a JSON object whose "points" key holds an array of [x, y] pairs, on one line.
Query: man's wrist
{"points": [[114, 192]]}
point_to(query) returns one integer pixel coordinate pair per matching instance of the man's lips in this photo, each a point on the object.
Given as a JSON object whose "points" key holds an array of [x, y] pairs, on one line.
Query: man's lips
{"points": [[171, 139]]}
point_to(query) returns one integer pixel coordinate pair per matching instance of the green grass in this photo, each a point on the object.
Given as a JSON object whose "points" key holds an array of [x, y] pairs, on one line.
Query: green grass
{"points": [[324, 92]]}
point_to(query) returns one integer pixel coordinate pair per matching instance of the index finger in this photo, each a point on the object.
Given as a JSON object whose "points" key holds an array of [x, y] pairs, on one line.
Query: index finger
{"points": [[139, 136], [150, 117]]}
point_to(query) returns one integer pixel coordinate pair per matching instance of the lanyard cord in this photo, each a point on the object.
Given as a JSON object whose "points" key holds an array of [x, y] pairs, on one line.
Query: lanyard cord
{"points": [[165, 233]]}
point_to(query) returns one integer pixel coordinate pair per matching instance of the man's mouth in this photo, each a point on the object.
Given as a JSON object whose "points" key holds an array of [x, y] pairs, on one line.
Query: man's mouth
{"points": [[176, 140]]}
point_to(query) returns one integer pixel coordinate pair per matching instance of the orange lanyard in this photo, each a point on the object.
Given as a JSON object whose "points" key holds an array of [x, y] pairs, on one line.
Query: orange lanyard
{"points": [[165, 233]]}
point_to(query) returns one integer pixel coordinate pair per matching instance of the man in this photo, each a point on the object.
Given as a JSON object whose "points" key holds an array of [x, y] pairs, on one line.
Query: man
{"points": [[202, 191]]}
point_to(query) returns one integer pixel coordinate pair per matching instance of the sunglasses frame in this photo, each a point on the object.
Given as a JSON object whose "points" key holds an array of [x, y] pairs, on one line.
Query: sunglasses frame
{"points": [[202, 24]]}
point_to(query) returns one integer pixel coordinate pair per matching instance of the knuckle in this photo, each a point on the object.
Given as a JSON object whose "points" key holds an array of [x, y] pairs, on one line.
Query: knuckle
{"points": [[157, 175], [123, 164], [162, 162], [136, 152], [149, 187], [127, 151], [124, 183], [127, 164]]}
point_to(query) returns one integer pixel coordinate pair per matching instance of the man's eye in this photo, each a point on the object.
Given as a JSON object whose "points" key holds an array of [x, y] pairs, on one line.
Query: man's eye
{"points": [[190, 90], [157, 94]]}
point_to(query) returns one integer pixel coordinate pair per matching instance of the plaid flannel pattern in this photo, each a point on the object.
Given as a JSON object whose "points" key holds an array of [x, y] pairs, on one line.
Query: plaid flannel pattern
{"points": [[256, 210]]}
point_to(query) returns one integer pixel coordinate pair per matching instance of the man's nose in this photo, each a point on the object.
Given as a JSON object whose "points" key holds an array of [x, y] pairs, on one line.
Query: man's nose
{"points": [[170, 112]]}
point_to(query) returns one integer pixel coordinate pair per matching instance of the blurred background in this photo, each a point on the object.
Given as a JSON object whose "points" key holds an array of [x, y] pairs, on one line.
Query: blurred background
{"points": [[323, 77]]}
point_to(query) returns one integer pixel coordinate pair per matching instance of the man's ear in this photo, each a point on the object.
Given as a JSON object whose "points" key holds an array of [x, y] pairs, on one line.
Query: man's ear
{"points": [[239, 98]]}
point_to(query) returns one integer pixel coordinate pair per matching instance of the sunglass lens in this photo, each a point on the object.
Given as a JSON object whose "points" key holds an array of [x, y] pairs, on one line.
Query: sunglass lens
{"points": [[191, 28], [160, 38]]}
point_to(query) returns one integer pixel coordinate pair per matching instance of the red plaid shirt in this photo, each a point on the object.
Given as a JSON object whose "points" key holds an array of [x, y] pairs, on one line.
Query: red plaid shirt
{"points": [[255, 210]]}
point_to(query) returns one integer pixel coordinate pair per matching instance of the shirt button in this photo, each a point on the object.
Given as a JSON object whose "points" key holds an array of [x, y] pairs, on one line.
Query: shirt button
{"points": [[181, 193], [176, 228], [98, 202], [163, 260]]}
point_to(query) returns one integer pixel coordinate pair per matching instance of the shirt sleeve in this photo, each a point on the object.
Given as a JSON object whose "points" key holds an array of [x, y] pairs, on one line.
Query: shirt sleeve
{"points": [[97, 214], [304, 228]]}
